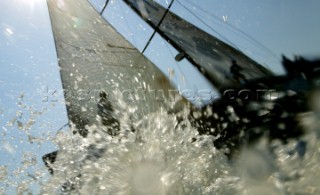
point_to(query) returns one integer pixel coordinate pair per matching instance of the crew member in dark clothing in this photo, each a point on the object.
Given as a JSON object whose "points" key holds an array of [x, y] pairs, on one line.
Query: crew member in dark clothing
{"points": [[236, 72], [106, 112]]}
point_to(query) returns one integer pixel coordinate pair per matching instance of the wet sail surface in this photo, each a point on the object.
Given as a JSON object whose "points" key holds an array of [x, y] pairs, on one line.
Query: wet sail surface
{"points": [[210, 55], [93, 58]]}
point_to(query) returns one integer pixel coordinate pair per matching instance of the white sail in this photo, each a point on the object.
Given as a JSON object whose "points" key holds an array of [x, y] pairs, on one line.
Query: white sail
{"points": [[93, 57]]}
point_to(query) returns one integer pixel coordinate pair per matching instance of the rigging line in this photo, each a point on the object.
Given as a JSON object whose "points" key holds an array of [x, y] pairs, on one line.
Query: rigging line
{"points": [[157, 27], [61, 128], [245, 35], [208, 26], [104, 7]]}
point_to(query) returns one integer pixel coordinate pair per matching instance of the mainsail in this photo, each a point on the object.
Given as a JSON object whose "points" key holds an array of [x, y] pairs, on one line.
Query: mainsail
{"points": [[93, 58], [210, 55]]}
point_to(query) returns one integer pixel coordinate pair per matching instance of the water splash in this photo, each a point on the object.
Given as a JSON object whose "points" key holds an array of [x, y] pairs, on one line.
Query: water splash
{"points": [[160, 157], [165, 155]]}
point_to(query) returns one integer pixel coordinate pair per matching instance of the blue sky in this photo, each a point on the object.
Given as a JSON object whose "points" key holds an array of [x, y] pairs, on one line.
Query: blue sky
{"points": [[29, 71], [263, 29]]}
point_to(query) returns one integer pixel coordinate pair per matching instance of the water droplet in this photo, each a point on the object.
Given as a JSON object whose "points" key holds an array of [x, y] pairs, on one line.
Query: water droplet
{"points": [[225, 18]]}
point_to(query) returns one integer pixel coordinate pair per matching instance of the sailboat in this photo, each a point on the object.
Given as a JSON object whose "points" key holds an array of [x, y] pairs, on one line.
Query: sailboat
{"points": [[242, 82], [97, 63]]}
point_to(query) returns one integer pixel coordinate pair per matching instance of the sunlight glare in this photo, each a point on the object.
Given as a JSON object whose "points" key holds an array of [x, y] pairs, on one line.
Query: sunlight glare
{"points": [[31, 4]]}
